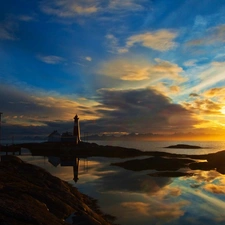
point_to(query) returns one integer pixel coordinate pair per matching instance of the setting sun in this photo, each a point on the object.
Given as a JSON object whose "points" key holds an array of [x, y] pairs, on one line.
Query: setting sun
{"points": [[223, 110]]}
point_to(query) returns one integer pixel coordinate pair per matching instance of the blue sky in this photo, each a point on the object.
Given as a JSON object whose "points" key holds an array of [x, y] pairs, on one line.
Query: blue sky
{"points": [[123, 66]]}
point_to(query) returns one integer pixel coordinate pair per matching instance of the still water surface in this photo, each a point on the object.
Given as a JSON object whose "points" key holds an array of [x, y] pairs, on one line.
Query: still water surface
{"points": [[137, 198]]}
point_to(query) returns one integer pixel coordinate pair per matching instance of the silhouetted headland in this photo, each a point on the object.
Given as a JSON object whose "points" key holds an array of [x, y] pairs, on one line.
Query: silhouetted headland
{"points": [[83, 149], [31, 195], [160, 161]]}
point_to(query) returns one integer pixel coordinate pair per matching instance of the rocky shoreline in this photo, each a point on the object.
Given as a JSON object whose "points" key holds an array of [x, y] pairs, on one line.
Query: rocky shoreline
{"points": [[31, 195], [169, 164]]}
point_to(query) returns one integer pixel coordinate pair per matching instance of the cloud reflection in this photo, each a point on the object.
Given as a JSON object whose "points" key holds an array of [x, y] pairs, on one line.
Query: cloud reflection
{"points": [[163, 211]]}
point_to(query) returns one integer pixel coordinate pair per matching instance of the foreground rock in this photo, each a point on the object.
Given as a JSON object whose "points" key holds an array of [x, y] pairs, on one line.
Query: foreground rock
{"points": [[30, 195]]}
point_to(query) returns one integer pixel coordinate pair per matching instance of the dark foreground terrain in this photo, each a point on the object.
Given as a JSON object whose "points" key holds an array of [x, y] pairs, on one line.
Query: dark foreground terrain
{"points": [[30, 195]]}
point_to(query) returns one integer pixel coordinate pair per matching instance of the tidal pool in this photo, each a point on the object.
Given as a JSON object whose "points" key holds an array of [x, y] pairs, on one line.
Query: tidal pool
{"points": [[137, 198]]}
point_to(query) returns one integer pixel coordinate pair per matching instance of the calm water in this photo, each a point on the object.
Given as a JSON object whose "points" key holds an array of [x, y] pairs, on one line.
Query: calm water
{"points": [[207, 146], [136, 198]]}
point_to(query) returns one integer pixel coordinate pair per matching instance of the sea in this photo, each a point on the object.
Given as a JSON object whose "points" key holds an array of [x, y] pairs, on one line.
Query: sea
{"points": [[134, 197]]}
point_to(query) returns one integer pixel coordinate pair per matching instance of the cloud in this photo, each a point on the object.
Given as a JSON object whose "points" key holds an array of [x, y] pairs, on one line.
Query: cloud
{"points": [[167, 88], [30, 112], [193, 95], [71, 8], [7, 30], [211, 74], [148, 186], [204, 106], [206, 176], [113, 46], [26, 18], [215, 188], [190, 63], [212, 36], [155, 210], [175, 89], [140, 110], [88, 58], [215, 92], [50, 59], [167, 192], [200, 22], [161, 40], [138, 69], [133, 5]]}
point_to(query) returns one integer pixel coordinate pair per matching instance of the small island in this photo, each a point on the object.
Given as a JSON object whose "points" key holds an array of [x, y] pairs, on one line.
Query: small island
{"points": [[184, 146]]}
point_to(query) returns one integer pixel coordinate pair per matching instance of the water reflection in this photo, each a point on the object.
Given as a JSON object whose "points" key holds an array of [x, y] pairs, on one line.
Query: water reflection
{"points": [[134, 197], [72, 161]]}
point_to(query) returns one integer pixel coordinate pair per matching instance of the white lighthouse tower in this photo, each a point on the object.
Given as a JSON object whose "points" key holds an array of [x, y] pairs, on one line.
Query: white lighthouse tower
{"points": [[76, 129]]}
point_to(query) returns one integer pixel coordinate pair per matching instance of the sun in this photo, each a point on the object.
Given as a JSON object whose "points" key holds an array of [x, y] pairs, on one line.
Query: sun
{"points": [[223, 110]]}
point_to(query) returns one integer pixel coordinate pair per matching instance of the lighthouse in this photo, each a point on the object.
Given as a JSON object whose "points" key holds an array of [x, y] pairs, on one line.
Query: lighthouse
{"points": [[76, 129]]}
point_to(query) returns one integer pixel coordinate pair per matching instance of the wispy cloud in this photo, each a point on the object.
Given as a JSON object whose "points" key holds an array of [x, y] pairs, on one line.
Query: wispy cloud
{"points": [[70, 8], [113, 45], [7, 30], [190, 63], [50, 59], [212, 36], [155, 210], [139, 69], [88, 58], [26, 18], [133, 5], [160, 40], [208, 75]]}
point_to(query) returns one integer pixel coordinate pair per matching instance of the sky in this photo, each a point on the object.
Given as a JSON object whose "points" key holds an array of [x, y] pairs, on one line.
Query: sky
{"points": [[151, 67]]}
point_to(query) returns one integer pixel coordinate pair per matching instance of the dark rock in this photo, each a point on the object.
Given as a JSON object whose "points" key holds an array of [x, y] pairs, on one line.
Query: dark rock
{"points": [[184, 146], [30, 195]]}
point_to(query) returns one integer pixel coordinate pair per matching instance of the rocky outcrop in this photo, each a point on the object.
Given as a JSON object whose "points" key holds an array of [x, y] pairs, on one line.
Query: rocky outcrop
{"points": [[30, 195]]}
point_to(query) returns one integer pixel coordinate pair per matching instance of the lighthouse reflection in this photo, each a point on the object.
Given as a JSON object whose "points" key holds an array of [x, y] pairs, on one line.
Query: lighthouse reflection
{"points": [[72, 161]]}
